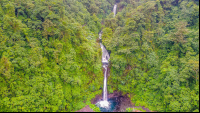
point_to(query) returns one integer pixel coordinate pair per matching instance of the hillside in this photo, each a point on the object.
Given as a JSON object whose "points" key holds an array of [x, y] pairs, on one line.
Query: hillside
{"points": [[50, 60]]}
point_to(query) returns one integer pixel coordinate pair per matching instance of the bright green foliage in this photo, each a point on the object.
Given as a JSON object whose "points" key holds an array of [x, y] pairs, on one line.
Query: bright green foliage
{"points": [[155, 53], [129, 109], [49, 59]]}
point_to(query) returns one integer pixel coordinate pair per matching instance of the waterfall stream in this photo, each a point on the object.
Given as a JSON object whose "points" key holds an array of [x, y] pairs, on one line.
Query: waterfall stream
{"points": [[105, 58], [105, 62], [115, 9], [105, 103], [105, 86]]}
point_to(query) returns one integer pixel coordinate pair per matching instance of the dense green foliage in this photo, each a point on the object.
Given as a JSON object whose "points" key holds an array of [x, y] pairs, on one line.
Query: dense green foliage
{"points": [[49, 57], [50, 60], [155, 53]]}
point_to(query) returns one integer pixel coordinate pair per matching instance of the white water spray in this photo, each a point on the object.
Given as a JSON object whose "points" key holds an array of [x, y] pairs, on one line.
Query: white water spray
{"points": [[103, 104]]}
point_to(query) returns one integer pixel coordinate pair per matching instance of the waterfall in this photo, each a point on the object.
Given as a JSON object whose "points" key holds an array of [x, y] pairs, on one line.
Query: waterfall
{"points": [[100, 33], [105, 85], [105, 103], [105, 58], [115, 9]]}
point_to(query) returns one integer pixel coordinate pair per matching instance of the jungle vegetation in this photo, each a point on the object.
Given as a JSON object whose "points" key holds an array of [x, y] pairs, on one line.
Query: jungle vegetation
{"points": [[50, 60]]}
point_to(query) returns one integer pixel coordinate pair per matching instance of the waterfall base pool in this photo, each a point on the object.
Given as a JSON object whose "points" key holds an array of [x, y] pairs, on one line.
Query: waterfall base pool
{"points": [[107, 106]]}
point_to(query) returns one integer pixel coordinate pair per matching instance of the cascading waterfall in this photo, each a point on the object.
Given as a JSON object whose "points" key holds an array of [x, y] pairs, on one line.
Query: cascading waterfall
{"points": [[105, 104], [115, 9], [105, 58]]}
